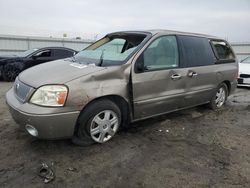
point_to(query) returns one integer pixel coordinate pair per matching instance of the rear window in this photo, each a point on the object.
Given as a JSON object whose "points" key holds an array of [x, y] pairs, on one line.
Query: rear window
{"points": [[197, 51], [223, 50]]}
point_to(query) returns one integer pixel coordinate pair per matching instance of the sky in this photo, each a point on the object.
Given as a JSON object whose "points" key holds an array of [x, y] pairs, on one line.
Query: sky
{"points": [[90, 19]]}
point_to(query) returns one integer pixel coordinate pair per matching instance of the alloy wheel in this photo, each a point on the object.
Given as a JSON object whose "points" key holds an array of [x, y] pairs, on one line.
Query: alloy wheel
{"points": [[103, 126], [220, 97]]}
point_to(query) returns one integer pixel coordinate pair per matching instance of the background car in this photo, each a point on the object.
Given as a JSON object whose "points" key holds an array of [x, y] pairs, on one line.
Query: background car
{"points": [[11, 66], [244, 72]]}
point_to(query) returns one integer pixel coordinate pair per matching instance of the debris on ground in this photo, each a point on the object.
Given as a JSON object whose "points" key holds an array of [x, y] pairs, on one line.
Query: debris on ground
{"points": [[46, 172], [248, 108], [72, 169], [212, 151], [167, 130], [6, 119], [196, 114], [165, 122], [235, 101]]}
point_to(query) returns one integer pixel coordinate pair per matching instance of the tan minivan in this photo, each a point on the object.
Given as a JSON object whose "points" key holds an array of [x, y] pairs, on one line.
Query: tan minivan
{"points": [[122, 78]]}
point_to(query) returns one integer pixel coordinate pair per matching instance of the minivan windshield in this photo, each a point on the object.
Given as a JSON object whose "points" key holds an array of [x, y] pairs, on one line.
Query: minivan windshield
{"points": [[247, 60], [110, 50]]}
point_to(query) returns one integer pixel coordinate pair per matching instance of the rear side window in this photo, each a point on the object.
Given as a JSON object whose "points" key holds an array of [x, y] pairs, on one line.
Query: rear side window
{"points": [[197, 51], [223, 50], [62, 53]]}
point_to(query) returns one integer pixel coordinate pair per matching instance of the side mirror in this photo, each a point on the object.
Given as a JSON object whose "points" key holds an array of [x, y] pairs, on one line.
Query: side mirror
{"points": [[35, 56], [139, 64]]}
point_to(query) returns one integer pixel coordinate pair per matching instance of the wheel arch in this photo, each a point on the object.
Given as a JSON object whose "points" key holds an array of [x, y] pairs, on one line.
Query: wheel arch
{"points": [[228, 84], [14, 65], [122, 104]]}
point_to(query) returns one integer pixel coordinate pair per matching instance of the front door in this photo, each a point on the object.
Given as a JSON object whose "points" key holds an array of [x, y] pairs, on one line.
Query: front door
{"points": [[159, 86], [40, 57]]}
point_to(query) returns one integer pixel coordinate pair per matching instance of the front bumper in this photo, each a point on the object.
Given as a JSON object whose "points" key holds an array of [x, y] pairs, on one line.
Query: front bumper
{"points": [[49, 125]]}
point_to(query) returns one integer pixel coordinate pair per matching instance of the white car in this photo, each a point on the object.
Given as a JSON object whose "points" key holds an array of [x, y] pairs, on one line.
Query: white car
{"points": [[244, 72]]}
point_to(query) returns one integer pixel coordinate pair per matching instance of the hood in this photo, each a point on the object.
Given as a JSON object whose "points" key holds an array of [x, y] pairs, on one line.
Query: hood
{"points": [[244, 68], [56, 72], [9, 58]]}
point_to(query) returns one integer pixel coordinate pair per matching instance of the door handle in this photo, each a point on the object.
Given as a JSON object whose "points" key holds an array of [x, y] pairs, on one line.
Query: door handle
{"points": [[176, 77], [192, 74]]}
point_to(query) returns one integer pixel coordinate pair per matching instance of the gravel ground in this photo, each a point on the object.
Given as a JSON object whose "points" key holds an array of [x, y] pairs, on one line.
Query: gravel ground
{"points": [[191, 148]]}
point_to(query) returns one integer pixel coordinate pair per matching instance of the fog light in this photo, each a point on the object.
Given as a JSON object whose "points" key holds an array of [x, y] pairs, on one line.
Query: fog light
{"points": [[31, 130]]}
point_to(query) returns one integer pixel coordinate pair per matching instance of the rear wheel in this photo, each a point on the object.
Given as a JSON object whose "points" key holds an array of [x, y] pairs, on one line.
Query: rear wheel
{"points": [[98, 123], [10, 72], [219, 97]]}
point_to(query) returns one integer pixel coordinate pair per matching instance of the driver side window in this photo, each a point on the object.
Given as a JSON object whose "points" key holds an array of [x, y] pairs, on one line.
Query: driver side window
{"points": [[45, 53], [161, 54]]}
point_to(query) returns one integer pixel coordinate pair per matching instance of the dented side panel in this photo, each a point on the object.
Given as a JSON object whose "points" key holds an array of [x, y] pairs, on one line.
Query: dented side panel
{"points": [[109, 81]]}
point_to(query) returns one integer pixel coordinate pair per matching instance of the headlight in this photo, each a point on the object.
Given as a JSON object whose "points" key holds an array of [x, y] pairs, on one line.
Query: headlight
{"points": [[50, 95]]}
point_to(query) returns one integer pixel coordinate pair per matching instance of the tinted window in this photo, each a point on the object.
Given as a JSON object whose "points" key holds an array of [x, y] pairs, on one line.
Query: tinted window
{"points": [[197, 51], [162, 53], [27, 53], [44, 53], [223, 50], [62, 53]]}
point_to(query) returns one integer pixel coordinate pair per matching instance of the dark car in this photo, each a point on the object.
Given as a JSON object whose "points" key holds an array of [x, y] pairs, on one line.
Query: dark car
{"points": [[11, 66]]}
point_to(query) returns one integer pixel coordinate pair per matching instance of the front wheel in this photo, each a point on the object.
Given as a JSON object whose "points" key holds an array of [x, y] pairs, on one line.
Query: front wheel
{"points": [[98, 123], [219, 97], [10, 72]]}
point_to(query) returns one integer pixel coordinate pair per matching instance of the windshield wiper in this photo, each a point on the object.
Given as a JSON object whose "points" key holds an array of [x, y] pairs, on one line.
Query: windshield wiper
{"points": [[99, 63]]}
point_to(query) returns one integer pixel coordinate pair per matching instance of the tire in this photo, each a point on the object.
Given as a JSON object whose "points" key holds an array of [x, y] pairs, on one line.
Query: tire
{"points": [[10, 72], [219, 98], [98, 123]]}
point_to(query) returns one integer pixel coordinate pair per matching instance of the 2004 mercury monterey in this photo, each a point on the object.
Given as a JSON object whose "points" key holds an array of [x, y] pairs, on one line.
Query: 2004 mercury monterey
{"points": [[122, 78]]}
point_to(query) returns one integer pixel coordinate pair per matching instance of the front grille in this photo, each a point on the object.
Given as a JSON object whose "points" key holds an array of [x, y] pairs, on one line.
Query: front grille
{"points": [[22, 90], [244, 75]]}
